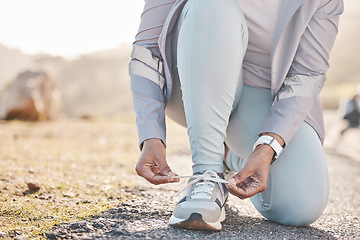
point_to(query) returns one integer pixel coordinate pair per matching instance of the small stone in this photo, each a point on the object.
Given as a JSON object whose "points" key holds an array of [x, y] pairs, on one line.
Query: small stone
{"points": [[74, 225], [21, 237], [155, 213], [88, 227], [68, 194], [120, 210], [134, 211], [118, 232], [139, 235], [98, 225], [51, 236], [33, 187]]}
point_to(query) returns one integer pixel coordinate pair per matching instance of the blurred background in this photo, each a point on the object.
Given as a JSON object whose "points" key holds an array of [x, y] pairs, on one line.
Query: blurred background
{"points": [[83, 47]]}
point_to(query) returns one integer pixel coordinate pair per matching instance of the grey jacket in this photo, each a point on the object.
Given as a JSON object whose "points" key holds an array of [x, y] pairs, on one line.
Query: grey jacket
{"points": [[304, 35]]}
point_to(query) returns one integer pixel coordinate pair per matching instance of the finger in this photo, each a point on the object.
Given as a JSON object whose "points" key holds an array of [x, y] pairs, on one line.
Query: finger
{"points": [[158, 179], [244, 192], [237, 189], [165, 169], [152, 173], [238, 184], [155, 169], [239, 177], [236, 193], [246, 188], [148, 171]]}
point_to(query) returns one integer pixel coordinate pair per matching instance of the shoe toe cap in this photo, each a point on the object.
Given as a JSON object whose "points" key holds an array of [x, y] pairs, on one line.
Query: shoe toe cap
{"points": [[210, 211]]}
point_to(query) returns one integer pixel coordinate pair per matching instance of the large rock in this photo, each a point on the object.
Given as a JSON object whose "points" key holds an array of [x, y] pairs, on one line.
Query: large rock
{"points": [[33, 96]]}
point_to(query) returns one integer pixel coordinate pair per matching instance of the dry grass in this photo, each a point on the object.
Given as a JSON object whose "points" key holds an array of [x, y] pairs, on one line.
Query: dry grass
{"points": [[80, 165]]}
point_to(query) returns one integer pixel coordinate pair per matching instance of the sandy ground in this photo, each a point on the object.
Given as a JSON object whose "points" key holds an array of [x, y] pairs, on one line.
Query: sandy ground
{"points": [[145, 214]]}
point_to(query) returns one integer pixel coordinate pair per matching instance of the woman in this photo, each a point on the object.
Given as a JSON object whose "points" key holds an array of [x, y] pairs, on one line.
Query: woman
{"points": [[244, 77]]}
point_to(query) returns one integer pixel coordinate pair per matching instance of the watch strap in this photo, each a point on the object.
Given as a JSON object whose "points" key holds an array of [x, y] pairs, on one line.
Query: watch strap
{"points": [[271, 141]]}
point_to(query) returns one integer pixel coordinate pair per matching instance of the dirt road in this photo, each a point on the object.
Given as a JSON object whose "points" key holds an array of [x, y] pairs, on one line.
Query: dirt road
{"points": [[88, 188], [144, 215]]}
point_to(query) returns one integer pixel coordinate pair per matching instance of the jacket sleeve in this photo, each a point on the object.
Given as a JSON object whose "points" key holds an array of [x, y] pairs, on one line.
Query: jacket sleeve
{"points": [[305, 79], [146, 72]]}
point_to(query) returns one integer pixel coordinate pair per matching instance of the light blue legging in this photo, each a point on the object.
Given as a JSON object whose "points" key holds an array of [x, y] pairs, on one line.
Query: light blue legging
{"points": [[209, 97]]}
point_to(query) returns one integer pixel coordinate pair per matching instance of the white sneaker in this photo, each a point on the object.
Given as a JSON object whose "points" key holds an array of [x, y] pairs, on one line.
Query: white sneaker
{"points": [[202, 207]]}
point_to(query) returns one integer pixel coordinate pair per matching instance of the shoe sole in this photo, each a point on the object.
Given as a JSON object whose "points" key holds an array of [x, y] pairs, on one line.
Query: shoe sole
{"points": [[196, 221]]}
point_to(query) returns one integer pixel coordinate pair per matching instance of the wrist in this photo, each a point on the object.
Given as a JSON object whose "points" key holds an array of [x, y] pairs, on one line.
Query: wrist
{"points": [[153, 143], [264, 148], [264, 152], [271, 144]]}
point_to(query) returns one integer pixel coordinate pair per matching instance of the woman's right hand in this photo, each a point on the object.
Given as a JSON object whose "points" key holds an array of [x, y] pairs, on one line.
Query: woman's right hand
{"points": [[152, 163]]}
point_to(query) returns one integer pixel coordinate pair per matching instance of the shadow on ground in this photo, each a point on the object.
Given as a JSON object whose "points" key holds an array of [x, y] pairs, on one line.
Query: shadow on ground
{"points": [[145, 216]]}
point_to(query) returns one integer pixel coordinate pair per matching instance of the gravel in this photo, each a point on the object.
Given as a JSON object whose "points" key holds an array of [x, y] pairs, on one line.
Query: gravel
{"points": [[145, 213]]}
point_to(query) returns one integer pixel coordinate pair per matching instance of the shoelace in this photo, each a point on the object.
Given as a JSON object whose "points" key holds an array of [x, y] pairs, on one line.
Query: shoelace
{"points": [[204, 185]]}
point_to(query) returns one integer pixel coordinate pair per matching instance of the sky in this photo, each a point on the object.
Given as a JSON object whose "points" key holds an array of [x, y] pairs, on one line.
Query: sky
{"points": [[68, 27]]}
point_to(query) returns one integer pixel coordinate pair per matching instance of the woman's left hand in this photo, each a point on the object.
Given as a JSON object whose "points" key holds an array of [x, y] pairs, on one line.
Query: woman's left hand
{"points": [[252, 179]]}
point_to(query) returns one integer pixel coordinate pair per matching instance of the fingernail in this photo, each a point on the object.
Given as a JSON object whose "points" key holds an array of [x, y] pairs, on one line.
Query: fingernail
{"points": [[231, 181], [171, 174]]}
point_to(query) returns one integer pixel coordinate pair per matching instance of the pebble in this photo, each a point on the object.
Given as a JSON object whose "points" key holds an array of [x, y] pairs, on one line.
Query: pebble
{"points": [[118, 232], [51, 236], [68, 194], [33, 187], [74, 225], [98, 225], [21, 237]]}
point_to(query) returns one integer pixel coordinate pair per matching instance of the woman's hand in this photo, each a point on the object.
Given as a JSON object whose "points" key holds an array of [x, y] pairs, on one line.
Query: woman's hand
{"points": [[152, 163], [252, 179]]}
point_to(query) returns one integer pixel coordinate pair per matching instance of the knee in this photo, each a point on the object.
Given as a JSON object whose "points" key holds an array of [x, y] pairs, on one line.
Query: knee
{"points": [[296, 213], [292, 218]]}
